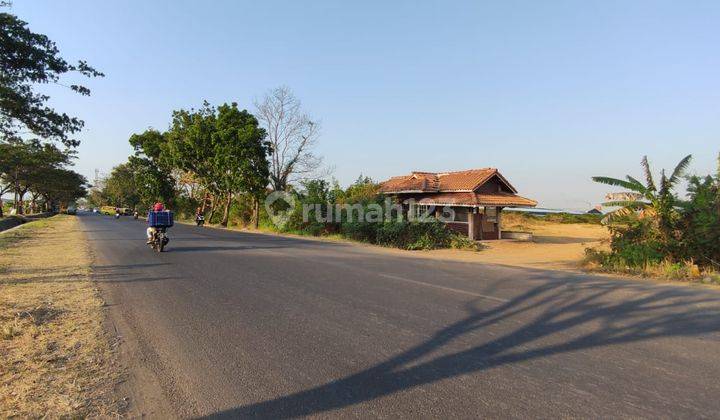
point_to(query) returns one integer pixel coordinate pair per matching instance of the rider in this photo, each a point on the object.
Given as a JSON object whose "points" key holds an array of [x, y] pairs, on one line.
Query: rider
{"points": [[151, 230]]}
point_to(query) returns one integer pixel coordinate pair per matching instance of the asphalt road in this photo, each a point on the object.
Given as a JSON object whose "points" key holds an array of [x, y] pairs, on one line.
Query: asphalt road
{"points": [[241, 325]]}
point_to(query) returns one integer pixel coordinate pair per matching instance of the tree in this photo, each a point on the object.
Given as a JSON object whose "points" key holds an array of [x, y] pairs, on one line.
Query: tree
{"points": [[660, 203], [240, 155], [701, 230], [152, 168], [292, 136], [152, 183], [223, 148], [28, 59], [120, 187], [189, 145], [62, 188], [651, 227], [23, 163]]}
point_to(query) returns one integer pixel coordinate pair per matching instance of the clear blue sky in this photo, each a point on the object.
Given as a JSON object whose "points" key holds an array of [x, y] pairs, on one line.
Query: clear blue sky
{"points": [[550, 92]]}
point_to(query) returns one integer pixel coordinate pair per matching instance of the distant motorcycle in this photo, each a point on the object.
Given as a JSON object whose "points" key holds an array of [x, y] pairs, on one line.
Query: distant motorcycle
{"points": [[159, 239], [199, 220], [136, 215]]}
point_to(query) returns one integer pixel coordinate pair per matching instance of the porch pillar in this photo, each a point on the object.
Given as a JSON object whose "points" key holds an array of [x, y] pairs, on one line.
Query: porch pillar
{"points": [[499, 222], [471, 224]]}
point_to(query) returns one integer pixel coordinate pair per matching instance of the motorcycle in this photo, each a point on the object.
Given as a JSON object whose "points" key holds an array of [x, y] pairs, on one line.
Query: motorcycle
{"points": [[136, 215], [199, 220], [159, 239]]}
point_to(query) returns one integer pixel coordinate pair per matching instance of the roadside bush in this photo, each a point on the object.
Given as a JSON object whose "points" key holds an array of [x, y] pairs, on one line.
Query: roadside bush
{"points": [[658, 233], [360, 231], [413, 235], [463, 242]]}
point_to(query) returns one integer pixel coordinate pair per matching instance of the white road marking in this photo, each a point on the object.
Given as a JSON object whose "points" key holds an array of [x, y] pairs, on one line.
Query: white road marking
{"points": [[449, 289]]}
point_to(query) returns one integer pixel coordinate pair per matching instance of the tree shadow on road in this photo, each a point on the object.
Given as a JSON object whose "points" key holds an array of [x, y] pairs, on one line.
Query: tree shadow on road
{"points": [[558, 316]]}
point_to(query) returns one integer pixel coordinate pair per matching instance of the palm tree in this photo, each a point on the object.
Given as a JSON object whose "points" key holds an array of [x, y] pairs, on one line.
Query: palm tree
{"points": [[658, 203]]}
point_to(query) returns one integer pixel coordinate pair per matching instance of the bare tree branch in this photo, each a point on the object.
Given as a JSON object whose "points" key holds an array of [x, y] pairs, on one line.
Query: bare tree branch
{"points": [[293, 136]]}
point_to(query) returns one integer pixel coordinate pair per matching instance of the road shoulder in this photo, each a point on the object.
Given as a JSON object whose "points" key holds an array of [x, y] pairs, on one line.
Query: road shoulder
{"points": [[57, 357]]}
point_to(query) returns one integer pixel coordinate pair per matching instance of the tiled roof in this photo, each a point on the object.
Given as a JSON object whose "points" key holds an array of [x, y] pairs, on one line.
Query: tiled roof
{"points": [[456, 188], [466, 181], [473, 199]]}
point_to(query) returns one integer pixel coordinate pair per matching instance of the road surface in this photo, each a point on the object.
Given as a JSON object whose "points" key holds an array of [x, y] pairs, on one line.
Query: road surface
{"points": [[233, 324]]}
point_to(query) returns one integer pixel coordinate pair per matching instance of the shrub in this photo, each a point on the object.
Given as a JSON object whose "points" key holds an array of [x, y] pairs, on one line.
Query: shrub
{"points": [[463, 242], [360, 231], [414, 235]]}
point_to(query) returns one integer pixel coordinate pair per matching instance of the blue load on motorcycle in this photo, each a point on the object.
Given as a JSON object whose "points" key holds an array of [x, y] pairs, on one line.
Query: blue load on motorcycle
{"points": [[160, 218]]}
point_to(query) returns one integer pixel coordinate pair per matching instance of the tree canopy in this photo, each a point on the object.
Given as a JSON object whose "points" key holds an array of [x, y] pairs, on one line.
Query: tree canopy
{"points": [[222, 150], [38, 168], [28, 59]]}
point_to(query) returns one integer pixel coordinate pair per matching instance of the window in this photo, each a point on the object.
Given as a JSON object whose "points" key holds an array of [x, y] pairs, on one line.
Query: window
{"points": [[491, 214], [421, 211]]}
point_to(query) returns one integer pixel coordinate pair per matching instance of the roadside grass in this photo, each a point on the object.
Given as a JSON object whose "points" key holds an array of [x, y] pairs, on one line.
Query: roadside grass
{"points": [[597, 260], [57, 359]]}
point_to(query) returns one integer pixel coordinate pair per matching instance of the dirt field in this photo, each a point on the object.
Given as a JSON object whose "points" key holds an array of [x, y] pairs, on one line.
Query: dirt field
{"points": [[555, 245], [57, 359]]}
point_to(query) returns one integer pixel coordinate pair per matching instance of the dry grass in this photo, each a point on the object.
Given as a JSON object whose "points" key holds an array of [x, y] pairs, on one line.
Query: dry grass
{"points": [[57, 359]]}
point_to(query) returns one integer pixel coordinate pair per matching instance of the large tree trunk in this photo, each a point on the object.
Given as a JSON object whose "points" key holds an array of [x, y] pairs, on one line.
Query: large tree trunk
{"points": [[226, 212], [212, 208], [33, 203], [21, 202], [256, 212], [204, 202]]}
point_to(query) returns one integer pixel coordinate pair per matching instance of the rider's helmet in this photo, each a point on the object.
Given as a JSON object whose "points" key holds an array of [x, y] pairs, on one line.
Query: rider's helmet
{"points": [[158, 207]]}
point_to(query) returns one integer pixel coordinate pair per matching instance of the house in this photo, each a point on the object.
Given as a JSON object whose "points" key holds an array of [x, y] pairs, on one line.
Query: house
{"points": [[469, 202]]}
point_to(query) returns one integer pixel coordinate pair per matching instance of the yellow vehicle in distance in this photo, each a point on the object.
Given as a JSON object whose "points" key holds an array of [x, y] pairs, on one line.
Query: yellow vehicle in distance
{"points": [[110, 211]]}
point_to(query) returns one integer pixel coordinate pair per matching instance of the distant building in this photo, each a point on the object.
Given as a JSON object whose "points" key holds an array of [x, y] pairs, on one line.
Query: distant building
{"points": [[477, 198]]}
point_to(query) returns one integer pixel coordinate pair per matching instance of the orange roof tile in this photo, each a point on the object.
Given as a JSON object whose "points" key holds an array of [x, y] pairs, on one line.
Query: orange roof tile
{"points": [[473, 199], [466, 181], [455, 188]]}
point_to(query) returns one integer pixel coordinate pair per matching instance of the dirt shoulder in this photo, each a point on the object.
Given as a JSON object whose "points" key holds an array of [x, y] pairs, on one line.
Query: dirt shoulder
{"points": [[57, 357]]}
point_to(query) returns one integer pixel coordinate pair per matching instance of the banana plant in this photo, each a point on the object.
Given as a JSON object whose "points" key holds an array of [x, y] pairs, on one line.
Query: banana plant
{"points": [[655, 200]]}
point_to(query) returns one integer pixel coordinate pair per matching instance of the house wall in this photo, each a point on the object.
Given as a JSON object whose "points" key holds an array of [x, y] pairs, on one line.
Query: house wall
{"points": [[460, 228], [484, 227], [492, 186]]}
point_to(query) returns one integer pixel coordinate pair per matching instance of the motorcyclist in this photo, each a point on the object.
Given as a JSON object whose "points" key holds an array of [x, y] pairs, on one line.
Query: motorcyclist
{"points": [[151, 230]]}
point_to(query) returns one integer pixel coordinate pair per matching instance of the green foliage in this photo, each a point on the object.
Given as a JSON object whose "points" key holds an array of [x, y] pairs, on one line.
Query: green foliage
{"points": [[568, 218], [40, 169], [414, 235], [664, 230], [30, 59], [120, 187], [701, 226]]}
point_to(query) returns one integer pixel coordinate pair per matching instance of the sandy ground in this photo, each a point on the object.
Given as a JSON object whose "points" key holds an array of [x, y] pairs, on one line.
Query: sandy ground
{"points": [[57, 358], [556, 246]]}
